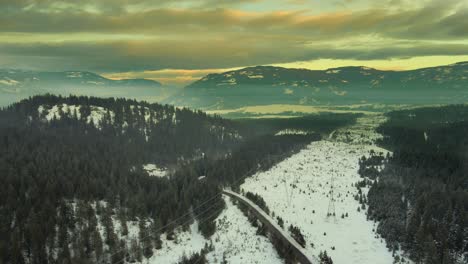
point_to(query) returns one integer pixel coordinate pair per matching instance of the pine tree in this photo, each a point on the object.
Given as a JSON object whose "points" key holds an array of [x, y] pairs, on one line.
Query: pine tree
{"points": [[109, 232], [145, 239], [97, 245], [123, 222], [16, 248], [324, 258], [135, 251], [156, 232]]}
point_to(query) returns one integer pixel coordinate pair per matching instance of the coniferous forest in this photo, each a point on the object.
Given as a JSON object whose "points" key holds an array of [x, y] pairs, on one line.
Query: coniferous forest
{"points": [[68, 171], [420, 198]]}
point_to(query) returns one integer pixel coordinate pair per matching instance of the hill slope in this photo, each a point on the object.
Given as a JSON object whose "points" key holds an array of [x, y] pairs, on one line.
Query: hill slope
{"points": [[58, 151], [81, 183]]}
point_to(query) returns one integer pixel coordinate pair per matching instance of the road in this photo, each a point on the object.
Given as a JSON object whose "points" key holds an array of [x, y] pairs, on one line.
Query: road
{"points": [[273, 227]]}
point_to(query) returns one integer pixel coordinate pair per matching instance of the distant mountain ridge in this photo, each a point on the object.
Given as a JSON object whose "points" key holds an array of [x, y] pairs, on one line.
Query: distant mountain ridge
{"points": [[18, 84], [15, 78], [262, 85], [270, 75]]}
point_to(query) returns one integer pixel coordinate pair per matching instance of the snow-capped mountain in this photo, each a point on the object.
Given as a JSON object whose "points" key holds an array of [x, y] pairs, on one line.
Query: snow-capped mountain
{"points": [[263, 85]]}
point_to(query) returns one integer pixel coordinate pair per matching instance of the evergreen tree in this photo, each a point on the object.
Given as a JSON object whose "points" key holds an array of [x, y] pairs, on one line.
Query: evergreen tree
{"points": [[145, 239]]}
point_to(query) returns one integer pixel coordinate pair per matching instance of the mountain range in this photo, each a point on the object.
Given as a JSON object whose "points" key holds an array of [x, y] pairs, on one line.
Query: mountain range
{"points": [[18, 84], [265, 85], [259, 86]]}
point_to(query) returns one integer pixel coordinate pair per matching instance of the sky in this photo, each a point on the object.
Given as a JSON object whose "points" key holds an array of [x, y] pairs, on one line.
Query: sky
{"points": [[179, 41]]}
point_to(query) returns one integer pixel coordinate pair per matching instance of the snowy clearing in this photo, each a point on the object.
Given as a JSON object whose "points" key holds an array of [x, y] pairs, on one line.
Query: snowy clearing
{"points": [[235, 240], [154, 170], [184, 244], [298, 190]]}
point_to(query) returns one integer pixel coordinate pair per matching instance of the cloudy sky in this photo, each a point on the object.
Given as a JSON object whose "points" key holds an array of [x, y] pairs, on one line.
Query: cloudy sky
{"points": [[177, 41]]}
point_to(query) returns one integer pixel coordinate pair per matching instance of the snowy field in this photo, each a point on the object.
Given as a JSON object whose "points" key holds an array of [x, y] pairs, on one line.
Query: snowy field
{"points": [[298, 190]]}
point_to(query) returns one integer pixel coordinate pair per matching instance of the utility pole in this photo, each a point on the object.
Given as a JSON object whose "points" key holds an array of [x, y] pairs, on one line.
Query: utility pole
{"points": [[331, 202]]}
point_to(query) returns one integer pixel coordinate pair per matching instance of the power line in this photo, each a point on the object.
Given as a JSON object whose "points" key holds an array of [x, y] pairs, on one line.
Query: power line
{"points": [[200, 205], [331, 202], [185, 222], [174, 221]]}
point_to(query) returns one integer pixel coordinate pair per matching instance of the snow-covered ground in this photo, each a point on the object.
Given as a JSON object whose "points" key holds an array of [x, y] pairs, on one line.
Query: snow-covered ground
{"points": [[184, 244], [362, 132], [155, 171], [97, 113], [298, 190], [235, 240]]}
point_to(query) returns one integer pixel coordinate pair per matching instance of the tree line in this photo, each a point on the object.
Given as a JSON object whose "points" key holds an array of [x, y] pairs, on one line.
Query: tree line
{"points": [[420, 198]]}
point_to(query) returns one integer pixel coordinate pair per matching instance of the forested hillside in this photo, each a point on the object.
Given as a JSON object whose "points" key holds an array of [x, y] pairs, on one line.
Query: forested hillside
{"points": [[73, 187], [56, 150], [421, 197]]}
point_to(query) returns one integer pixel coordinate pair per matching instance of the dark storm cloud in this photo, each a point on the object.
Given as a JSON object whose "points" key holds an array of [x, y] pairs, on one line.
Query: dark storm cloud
{"points": [[135, 56], [439, 20], [212, 34]]}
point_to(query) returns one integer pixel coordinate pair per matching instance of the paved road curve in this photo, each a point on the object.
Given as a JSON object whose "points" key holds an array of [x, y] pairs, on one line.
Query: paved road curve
{"points": [[273, 226]]}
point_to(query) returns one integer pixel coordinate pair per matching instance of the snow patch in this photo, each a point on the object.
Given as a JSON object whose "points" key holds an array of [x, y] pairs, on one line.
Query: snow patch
{"points": [[258, 76], [155, 171], [291, 132], [223, 133], [95, 83], [97, 113], [54, 112], [288, 91], [74, 75], [231, 81]]}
